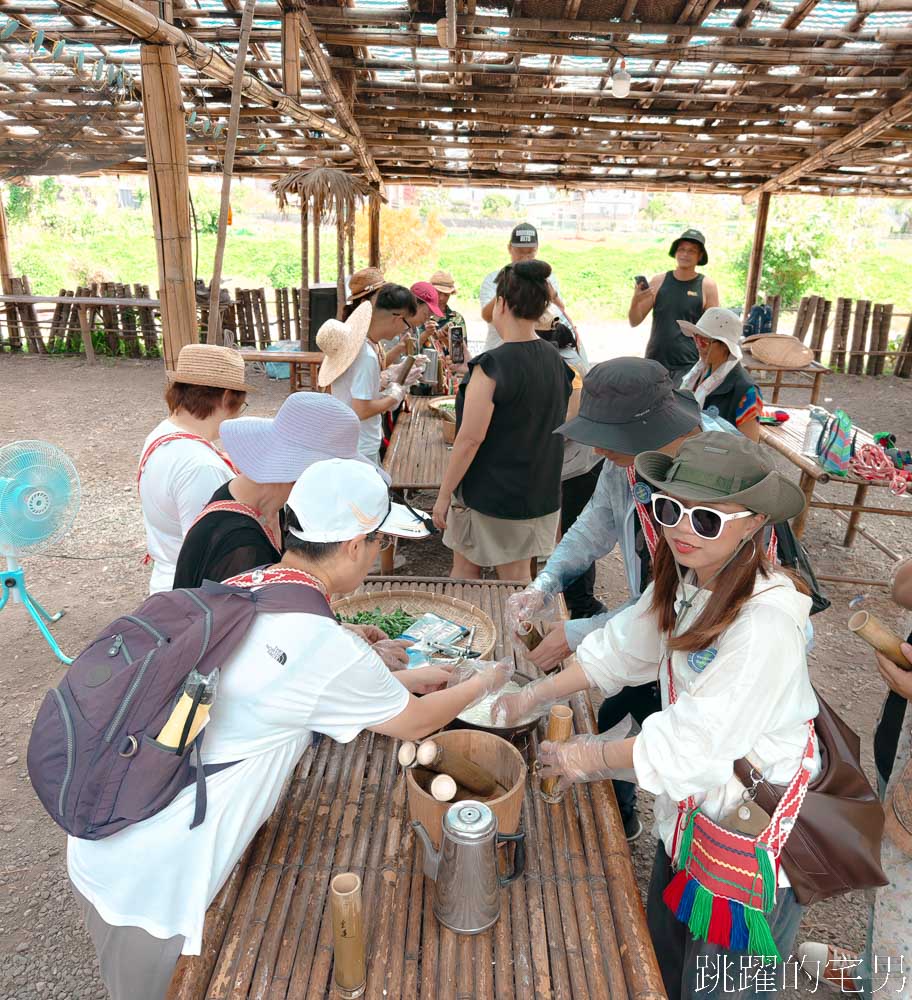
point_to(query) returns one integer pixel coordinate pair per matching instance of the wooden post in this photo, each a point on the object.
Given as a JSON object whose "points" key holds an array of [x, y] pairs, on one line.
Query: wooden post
{"points": [[341, 226], [756, 255], [821, 318], [775, 303], [903, 367], [304, 313], [214, 328], [291, 51], [86, 330], [859, 330], [806, 309], [876, 320], [373, 232], [6, 280], [841, 333], [169, 189], [880, 340]]}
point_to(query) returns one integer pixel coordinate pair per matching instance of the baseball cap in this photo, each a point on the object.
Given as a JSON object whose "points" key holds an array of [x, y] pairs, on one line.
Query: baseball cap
{"points": [[524, 235], [630, 405], [340, 498], [425, 292]]}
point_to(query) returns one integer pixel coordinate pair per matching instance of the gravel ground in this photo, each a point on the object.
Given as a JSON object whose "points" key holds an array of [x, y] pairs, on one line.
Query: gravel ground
{"points": [[99, 415]]}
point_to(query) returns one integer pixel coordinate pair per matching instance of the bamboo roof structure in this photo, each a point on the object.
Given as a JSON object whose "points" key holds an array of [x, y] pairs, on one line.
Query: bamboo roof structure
{"points": [[779, 96]]}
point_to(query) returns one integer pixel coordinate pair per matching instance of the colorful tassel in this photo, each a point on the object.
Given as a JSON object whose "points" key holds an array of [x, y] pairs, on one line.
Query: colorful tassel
{"points": [[700, 914], [674, 891], [761, 941], [768, 875], [686, 840], [740, 938], [720, 924], [687, 901]]}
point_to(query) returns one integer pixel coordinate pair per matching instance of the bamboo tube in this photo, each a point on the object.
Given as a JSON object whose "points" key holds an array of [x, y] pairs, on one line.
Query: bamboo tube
{"points": [[560, 729], [408, 754], [350, 965], [465, 772], [530, 636], [876, 634], [443, 788]]}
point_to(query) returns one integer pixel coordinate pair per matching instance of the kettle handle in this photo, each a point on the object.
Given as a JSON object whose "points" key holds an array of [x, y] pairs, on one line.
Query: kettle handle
{"points": [[519, 857]]}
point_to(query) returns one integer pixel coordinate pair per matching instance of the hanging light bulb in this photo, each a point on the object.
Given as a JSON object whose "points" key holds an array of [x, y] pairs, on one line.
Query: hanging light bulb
{"points": [[621, 80]]}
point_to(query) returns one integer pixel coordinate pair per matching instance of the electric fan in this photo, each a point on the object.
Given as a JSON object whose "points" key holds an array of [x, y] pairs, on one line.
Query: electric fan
{"points": [[39, 498]]}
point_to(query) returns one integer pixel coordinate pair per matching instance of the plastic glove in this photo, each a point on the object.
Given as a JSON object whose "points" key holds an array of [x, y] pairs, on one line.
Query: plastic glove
{"points": [[413, 376], [532, 701], [393, 652], [493, 675], [424, 680], [552, 650], [395, 391], [524, 606], [386, 376], [583, 758]]}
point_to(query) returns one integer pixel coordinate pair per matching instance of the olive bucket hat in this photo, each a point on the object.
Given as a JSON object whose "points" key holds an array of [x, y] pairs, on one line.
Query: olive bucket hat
{"points": [[717, 467], [692, 236]]}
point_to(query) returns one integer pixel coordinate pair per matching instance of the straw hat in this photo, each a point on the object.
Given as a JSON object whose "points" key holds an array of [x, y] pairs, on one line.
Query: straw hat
{"points": [[341, 342], [206, 364], [443, 282], [365, 282], [783, 352]]}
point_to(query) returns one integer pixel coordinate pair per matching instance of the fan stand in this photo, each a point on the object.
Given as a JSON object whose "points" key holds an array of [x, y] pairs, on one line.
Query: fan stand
{"points": [[14, 583]]}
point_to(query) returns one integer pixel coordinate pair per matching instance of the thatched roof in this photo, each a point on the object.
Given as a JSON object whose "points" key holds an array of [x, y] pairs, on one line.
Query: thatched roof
{"points": [[335, 193], [724, 96]]}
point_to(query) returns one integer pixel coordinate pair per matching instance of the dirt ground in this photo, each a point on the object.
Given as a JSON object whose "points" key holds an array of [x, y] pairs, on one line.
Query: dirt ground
{"points": [[99, 416]]}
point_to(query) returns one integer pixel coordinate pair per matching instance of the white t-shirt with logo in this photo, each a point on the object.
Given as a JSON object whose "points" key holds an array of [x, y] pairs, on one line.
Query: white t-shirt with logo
{"points": [[362, 381], [293, 674], [177, 482]]}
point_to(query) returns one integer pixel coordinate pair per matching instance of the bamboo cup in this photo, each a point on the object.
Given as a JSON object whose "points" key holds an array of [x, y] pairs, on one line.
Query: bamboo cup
{"points": [[408, 754], [876, 634], [560, 729], [350, 965], [461, 769], [529, 636]]}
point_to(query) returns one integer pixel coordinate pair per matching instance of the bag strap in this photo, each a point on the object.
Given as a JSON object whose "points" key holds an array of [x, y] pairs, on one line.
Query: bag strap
{"points": [[236, 507], [181, 436]]}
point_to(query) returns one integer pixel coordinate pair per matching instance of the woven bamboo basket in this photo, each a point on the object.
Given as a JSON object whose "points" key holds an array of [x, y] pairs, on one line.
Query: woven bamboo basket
{"points": [[439, 407], [417, 603], [494, 754]]}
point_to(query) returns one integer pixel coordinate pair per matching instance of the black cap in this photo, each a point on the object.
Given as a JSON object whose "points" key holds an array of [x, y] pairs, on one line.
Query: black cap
{"points": [[524, 235], [630, 405], [692, 236]]}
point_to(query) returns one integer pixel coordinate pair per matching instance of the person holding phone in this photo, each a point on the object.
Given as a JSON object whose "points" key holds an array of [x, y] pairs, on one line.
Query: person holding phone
{"points": [[681, 294], [455, 344]]}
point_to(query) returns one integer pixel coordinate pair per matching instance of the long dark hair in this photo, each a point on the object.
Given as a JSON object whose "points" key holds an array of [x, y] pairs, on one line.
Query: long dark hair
{"points": [[731, 590], [524, 287]]}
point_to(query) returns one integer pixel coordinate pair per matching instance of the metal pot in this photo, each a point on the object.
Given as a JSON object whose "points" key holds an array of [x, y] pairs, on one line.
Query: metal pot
{"points": [[505, 732]]}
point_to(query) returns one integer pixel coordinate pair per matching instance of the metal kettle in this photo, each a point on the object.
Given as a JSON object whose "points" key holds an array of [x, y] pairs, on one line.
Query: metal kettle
{"points": [[467, 883]]}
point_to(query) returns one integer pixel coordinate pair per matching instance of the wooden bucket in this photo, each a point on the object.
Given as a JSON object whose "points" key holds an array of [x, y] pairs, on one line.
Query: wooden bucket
{"points": [[504, 762]]}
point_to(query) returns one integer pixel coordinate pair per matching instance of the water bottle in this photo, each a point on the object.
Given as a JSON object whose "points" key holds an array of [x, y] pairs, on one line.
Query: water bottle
{"points": [[816, 422]]}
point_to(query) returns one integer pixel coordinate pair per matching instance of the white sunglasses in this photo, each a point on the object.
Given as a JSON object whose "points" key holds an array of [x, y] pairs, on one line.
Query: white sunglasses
{"points": [[705, 522]]}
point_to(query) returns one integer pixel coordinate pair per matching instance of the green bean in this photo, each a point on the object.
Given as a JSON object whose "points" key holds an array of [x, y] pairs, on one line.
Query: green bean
{"points": [[393, 623]]}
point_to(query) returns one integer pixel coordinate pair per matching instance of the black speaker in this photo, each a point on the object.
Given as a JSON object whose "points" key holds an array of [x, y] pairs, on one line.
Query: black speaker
{"points": [[323, 300]]}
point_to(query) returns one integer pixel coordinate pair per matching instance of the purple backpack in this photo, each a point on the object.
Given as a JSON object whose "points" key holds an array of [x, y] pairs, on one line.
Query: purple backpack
{"points": [[93, 758]]}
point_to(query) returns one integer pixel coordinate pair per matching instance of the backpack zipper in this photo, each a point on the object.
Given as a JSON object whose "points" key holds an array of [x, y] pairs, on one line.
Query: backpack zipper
{"points": [[71, 749], [119, 646], [128, 697], [159, 638]]}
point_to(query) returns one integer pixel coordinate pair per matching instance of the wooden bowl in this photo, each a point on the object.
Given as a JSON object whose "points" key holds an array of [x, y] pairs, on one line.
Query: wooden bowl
{"points": [[504, 761]]}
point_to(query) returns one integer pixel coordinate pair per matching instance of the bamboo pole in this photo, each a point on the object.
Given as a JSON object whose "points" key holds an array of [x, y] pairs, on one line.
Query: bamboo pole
{"points": [[859, 333], [756, 255], [215, 285], [903, 367], [350, 966], [373, 235], [876, 6], [6, 279], [341, 224], [291, 50], [169, 193], [304, 304], [317, 212]]}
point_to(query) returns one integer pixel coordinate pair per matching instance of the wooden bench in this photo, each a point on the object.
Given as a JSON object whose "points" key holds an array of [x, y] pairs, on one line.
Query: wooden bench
{"points": [[572, 927], [788, 438], [417, 456]]}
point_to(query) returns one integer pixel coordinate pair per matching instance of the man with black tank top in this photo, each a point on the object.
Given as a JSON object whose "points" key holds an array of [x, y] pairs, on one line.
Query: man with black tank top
{"points": [[672, 296]]}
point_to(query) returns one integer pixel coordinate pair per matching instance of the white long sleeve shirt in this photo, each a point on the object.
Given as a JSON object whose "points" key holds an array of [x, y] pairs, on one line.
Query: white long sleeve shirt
{"points": [[748, 696]]}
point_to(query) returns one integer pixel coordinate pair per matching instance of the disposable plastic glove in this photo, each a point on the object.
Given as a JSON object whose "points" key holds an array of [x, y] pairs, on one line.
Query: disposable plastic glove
{"points": [[393, 652], [413, 376], [583, 758], [493, 674], [528, 604], [532, 701], [395, 391]]}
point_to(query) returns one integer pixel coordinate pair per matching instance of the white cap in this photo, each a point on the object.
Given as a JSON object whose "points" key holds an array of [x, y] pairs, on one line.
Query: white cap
{"points": [[717, 324], [338, 499]]}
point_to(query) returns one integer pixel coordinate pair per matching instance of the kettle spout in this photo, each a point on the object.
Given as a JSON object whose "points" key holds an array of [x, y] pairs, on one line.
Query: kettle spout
{"points": [[431, 857]]}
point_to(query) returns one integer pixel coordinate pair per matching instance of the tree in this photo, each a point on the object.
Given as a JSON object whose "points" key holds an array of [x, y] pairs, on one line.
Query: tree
{"points": [[497, 206]]}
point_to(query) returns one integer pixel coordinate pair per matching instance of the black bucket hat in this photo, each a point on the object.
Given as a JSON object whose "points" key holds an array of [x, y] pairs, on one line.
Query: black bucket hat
{"points": [[717, 467], [691, 236], [630, 405]]}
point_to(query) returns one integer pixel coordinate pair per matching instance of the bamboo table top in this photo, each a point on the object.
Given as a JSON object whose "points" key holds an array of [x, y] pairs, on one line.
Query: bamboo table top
{"points": [[417, 455], [572, 927], [284, 357]]}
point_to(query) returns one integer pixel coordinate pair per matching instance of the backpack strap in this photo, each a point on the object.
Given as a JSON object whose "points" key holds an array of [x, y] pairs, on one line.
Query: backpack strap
{"points": [[236, 507], [180, 436]]}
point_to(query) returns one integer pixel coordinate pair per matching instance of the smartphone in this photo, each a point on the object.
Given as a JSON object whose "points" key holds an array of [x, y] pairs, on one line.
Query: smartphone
{"points": [[457, 345], [642, 282]]}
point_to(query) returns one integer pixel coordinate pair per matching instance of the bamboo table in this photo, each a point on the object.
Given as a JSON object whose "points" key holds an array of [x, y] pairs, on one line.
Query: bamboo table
{"points": [[788, 439], [811, 377], [417, 455], [572, 927], [299, 361]]}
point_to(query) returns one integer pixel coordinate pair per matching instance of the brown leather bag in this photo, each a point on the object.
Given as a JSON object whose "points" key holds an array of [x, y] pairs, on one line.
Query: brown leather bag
{"points": [[898, 808], [835, 845]]}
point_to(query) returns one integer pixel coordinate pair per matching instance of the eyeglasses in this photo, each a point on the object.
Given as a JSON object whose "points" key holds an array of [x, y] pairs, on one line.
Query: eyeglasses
{"points": [[705, 522], [244, 406]]}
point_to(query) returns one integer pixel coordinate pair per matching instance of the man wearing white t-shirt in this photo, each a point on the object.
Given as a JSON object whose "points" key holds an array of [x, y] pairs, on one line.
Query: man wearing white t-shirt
{"points": [[144, 891], [523, 245]]}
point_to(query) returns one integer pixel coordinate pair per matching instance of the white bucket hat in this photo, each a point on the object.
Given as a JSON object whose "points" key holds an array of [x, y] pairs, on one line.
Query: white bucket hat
{"points": [[341, 342], [717, 324], [337, 500], [309, 427]]}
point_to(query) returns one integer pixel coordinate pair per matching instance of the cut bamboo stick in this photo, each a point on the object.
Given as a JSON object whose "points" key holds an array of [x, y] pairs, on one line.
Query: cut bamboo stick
{"points": [[350, 965], [560, 729]]}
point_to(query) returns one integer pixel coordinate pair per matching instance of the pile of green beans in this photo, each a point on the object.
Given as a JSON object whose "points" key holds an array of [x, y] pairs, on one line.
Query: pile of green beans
{"points": [[393, 623]]}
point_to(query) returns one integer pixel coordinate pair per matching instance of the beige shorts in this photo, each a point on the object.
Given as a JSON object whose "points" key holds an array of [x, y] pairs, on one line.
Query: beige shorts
{"points": [[495, 541]]}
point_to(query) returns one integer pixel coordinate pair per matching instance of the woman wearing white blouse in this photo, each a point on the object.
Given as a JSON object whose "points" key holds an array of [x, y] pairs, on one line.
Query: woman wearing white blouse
{"points": [[724, 632]]}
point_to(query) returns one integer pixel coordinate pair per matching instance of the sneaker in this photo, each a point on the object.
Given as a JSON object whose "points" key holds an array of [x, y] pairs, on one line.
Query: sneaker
{"points": [[632, 827], [835, 967]]}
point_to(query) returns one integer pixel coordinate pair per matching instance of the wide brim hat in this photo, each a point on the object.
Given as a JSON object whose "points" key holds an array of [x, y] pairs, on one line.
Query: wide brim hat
{"points": [[717, 324], [364, 282], [780, 351], [691, 236], [341, 342], [629, 405], [212, 366], [308, 427], [718, 467], [443, 282]]}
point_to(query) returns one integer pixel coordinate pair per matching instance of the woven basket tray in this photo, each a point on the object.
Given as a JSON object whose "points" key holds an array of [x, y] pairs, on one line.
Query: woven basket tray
{"points": [[417, 602], [436, 405]]}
